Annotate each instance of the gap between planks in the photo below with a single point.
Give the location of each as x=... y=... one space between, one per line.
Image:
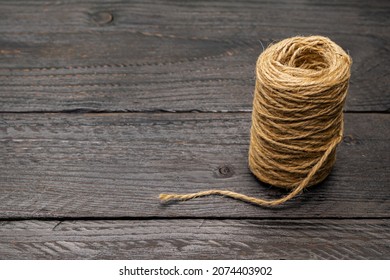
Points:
x=160 y=111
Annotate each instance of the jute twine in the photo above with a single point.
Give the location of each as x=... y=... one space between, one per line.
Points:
x=297 y=117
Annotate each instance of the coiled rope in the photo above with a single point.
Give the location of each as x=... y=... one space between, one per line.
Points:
x=297 y=117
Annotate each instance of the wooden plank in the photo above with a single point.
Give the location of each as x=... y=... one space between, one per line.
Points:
x=196 y=239
x=173 y=56
x=116 y=165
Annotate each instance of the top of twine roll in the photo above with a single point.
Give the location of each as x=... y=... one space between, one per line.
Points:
x=308 y=63
x=297 y=117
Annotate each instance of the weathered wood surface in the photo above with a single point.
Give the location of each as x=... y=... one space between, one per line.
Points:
x=116 y=165
x=196 y=239
x=173 y=56
x=93 y=178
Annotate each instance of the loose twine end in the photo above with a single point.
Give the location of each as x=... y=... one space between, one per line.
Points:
x=297 y=117
x=238 y=196
x=164 y=197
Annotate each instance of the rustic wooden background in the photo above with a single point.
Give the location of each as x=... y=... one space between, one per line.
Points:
x=105 y=104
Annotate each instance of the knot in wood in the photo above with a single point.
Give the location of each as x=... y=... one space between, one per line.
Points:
x=102 y=18
x=225 y=171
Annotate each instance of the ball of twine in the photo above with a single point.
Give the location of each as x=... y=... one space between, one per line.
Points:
x=297 y=117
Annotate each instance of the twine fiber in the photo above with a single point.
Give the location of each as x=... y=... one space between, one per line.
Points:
x=297 y=117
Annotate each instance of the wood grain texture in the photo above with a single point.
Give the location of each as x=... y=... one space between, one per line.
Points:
x=196 y=239
x=77 y=184
x=173 y=56
x=116 y=165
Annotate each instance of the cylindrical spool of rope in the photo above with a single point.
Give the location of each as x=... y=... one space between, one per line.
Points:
x=297 y=117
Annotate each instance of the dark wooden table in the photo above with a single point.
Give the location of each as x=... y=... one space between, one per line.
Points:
x=106 y=104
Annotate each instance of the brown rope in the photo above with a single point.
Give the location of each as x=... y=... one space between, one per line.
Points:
x=297 y=117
